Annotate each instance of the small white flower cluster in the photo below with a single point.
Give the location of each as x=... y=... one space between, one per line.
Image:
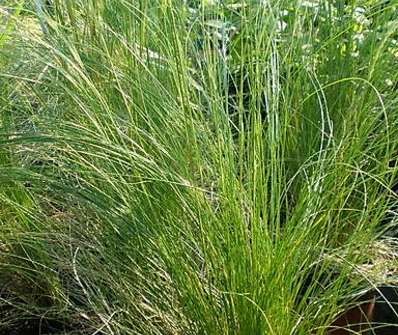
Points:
x=309 y=4
x=389 y=82
x=313 y=21
x=281 y=26
x=361 y=27
x=360 y=17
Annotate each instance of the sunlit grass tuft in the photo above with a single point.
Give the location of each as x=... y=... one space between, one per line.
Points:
x=174 y=168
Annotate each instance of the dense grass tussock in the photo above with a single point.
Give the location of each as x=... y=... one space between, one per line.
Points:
x=195 y=167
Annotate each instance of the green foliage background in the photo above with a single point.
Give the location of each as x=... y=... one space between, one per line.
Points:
x=178 y=167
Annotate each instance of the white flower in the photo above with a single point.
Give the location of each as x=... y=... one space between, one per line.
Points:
x=309 y=4
x=284 y=13
x=281 y=26
x=360 y=17
x=389 y=82
x=359 y=37
x=359 y=11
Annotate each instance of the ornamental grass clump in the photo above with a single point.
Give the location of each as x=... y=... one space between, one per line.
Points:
x=195 y=167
